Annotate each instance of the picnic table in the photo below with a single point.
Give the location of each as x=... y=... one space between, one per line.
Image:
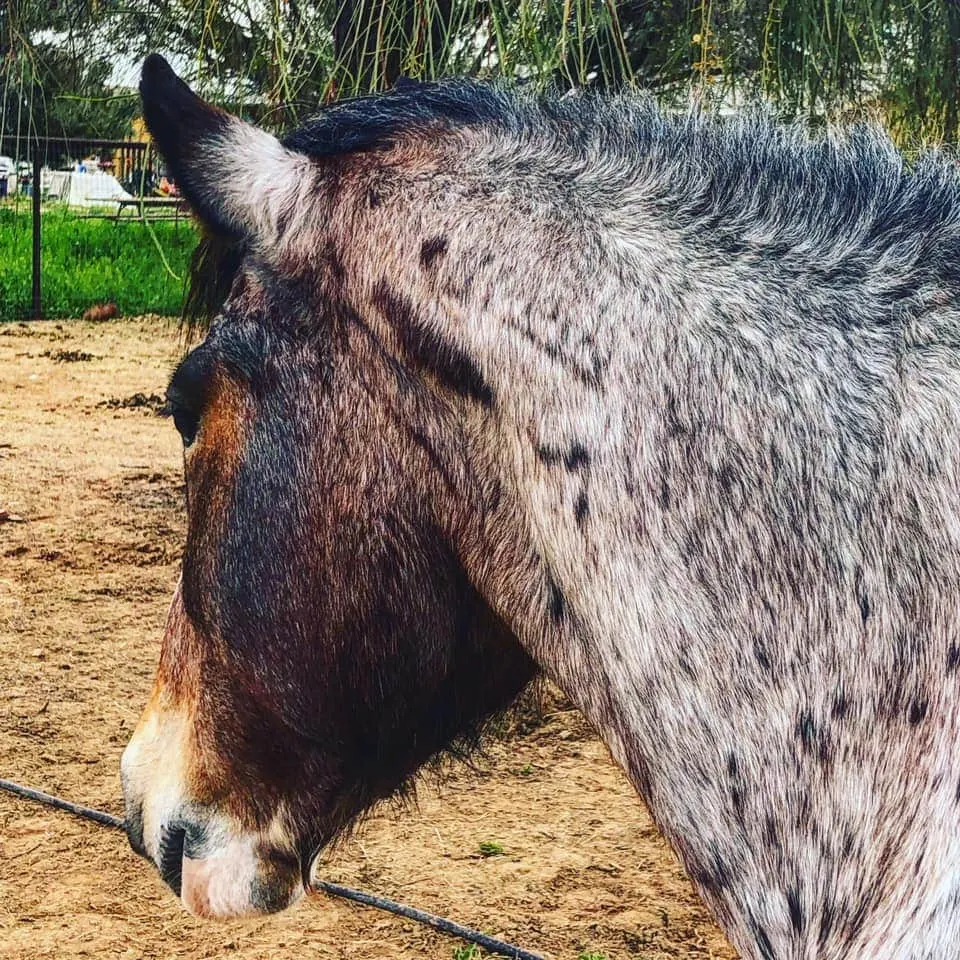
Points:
x=150 y=208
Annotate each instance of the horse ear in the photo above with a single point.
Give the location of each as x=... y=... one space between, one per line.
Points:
x=237 y=178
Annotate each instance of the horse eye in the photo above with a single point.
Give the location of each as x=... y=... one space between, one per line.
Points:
x=187 y=393
x=187 y=423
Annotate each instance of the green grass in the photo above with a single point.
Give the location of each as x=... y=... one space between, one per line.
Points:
x=490 y=848
x=468 y=951
x=89 y=261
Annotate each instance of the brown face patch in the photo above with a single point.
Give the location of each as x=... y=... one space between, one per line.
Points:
x=328 y=636
x=220 y=411
x=210 y=466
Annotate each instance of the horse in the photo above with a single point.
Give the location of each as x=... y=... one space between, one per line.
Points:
x=663 y=407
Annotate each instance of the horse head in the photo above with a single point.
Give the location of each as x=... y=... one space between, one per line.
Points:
x=325 y=640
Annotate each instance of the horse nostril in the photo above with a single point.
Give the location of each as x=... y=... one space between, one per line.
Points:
x=170 y=857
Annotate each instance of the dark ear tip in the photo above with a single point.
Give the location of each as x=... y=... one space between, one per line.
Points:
x=180 y=123
x=155 y=72
x=174 y=113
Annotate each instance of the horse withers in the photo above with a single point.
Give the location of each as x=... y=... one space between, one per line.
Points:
x=663 y=406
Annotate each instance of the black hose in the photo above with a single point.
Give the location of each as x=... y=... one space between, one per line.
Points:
x=88 y=813
x=421 y=916
x=332 y=889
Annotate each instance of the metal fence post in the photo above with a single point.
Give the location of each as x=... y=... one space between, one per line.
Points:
x=37 y=308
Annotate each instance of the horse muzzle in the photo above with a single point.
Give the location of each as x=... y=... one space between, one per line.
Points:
x=215 y=865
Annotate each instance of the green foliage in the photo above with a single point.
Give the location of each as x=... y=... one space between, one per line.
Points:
x=54 y=77
x=590 y=955
x=275 y=62
x=89 y=261
x=815 y=59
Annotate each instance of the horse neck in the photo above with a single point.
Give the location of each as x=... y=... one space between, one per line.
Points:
x=683 y=576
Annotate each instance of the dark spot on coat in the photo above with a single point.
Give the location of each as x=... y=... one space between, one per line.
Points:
x=431 y=249
x=849 y=842
x=429 y=351
x=760 y=652
x=728 y=477
x=953 y=657
x=763 y=942
x=826 y=923
x=557 y=603
x=548 y=455
x=795 y=908
x=493 y=494
x=736 y=786
x=806 y=731
x=672 y=423
x=715 y=876
x=664 y=495
x=813 y=738
x=771 y=834
x=581 y=508
x=576 y=457
x=862 y=598
x=917 y=711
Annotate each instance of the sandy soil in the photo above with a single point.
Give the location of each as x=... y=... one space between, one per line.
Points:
x=91 y=521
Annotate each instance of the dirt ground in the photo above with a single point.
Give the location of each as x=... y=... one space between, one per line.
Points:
x=91 y=523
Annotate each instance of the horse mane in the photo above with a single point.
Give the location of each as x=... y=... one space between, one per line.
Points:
x=723 y=181
x=376 y=121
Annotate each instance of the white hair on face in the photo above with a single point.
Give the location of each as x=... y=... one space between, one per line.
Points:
x=260 y=185
x=167 y=735
x=221 y=884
